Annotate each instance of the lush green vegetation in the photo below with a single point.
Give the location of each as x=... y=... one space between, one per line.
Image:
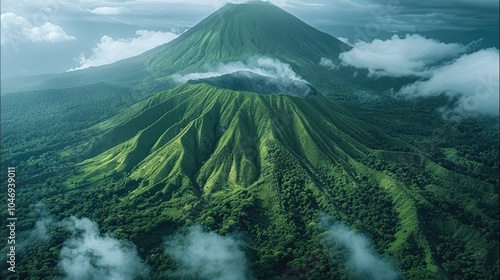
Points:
x=266 y=168
x=201 y=155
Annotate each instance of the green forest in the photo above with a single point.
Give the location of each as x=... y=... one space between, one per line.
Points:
x=406 y=192
x=125 y=172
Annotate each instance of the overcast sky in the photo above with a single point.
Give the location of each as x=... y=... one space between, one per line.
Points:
x=47 y=36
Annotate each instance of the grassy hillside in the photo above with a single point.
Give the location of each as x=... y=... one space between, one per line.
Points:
x=290 y=178
x=237 y=32
x=189 y=150
x=267 y=166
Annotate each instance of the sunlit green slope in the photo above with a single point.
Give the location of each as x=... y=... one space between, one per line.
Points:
x=191 y=146
x=194 y=122
x=243 y=154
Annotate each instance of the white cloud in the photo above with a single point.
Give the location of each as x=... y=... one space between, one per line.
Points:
x=345 y=41
x=106 y=11
x=444 y=68
x=263 y=66
x=302 y=3
x=206 y=255
x=41 y=230
x=48 y=32
x=474 y=78
x=17 y=29
x=362 y=260
x=387 y=15
x=328 y=63
x=109 y=50
x=91 y=256
x=412 y=55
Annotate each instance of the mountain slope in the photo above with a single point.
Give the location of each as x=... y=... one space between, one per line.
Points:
x=237 y=32
x=196 y=143
x=265 y=158
x=209 y=109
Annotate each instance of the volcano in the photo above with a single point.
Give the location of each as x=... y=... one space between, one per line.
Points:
x=236 y=32
x=257 y=149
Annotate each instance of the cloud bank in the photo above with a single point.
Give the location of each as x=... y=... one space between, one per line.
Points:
x=263 y=66
x=17 y=29
x=109 y=50
x=388 y=15
x=88 y=255
x=362 y=260
x=398 y=57
x=106 y=11
x=206 y=255
x=472 y=77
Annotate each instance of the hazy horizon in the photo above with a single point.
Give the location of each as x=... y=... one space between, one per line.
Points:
x=40 y=37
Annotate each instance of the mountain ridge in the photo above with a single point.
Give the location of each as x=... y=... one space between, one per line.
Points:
x=214 y=151
x=197 y=141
